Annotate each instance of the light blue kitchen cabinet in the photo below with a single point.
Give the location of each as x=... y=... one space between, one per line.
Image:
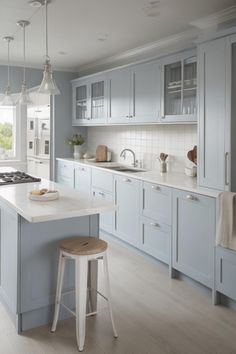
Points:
x=179 y=88
x=82 y=178
x=156 y=202
x=106 y=219
x=102 y=187
x=156 y=239
x=119 y=96
x=102 y=179
x=194 y=218
x=89 y=100
x=65 y=173
x=80 y=102
x=225 y=272
x=127 y=222
x=145 y=93
x=214 y=114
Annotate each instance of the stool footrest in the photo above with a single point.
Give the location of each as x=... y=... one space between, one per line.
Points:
x=73 y=312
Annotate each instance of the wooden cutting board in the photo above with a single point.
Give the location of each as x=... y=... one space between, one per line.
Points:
x=101 y=153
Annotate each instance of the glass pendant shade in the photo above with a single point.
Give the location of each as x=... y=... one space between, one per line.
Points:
x=24 y=98
x=48 y=85
x=7 y=99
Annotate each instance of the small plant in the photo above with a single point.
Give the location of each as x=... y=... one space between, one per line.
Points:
x=75 y=140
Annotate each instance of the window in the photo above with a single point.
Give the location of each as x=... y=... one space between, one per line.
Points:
x=7 y=133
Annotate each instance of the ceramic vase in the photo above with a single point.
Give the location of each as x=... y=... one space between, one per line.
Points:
x=77 y=152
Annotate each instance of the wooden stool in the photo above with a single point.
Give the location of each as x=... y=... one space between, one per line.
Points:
x=82 y=250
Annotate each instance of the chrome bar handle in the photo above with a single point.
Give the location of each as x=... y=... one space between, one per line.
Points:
x=154 y=224
x=191 y=197
x=226 y=168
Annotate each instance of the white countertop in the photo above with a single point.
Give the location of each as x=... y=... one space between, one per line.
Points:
x=170 y=179
x=70 y=204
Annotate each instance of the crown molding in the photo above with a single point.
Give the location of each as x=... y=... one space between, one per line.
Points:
x=215 y=19
x=177 y=42
x=39 y=66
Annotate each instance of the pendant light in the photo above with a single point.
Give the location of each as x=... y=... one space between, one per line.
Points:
x=7 y=99
x=48 y=85
x=24 y=98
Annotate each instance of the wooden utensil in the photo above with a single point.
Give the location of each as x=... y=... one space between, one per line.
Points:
x=101 y=153
x=192 y=155
x=163 y=156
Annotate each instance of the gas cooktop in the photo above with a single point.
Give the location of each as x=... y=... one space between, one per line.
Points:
x=16 y=177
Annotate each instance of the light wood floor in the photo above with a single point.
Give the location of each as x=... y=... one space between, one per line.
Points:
x=154 y=315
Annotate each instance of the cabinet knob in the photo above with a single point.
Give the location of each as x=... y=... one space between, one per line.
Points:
x=127 y=116
x=101 y=193
x=130 y=116
x=191 y=197
x=154 y=224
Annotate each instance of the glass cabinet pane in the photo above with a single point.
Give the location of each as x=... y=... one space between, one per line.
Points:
x=173 y=88
x=190 y=86
x=97 y=100
x=81 y=102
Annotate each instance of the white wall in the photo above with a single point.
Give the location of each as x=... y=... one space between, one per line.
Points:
x=147 y=142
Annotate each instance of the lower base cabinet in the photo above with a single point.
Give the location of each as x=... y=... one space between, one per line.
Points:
x=106 y=219
x=226 y=272
x=127 y=197
x=156 y=239
x=194 y=236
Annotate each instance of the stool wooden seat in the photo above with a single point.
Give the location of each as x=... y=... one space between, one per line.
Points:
x=82 y=250
x=83 y=245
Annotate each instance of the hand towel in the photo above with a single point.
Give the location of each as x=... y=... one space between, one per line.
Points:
x=226 y=228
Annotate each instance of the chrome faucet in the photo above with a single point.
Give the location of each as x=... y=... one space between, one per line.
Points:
x=123 y=154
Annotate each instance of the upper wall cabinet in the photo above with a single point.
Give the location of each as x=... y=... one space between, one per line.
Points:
x=145 y=93
x=214 y=113
x=90 y=100
x=137 y=94
x=179 y=88
x=134 y=94
x=119 y=96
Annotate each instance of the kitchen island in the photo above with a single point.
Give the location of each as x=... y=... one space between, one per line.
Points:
x=30 y=232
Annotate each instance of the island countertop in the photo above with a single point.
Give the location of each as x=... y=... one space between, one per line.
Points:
x=70 y=204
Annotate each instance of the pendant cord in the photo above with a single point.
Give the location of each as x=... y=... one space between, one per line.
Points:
x=46 y=7
x=24 y=79
x=8 y=66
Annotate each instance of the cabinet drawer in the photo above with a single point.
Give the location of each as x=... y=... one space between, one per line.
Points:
x=156 y=202
x=65 y=169
x=226 y=272
x=156 y=239
x=102 y=179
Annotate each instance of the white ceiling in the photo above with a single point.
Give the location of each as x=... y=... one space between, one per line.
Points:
x=76 y=25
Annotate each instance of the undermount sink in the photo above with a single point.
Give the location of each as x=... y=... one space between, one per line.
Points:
x=124 y=169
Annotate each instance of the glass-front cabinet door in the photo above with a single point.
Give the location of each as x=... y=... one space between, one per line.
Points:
x=98 y=89
x=90 y=101
x=81 y=102
x=179 y=101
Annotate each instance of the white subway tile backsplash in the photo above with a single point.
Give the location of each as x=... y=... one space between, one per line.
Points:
x=147 y=143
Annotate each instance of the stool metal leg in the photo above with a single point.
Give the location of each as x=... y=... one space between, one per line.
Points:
x=108 y=293
x=81 y=277
x=60 y=276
